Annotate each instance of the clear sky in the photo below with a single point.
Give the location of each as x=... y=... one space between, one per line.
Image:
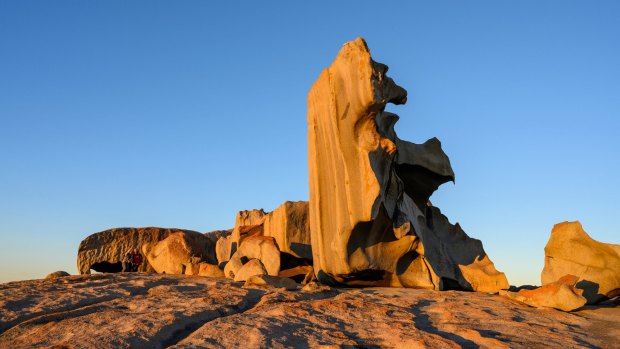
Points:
x=179 y=114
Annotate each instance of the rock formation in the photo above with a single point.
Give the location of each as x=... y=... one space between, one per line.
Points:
x=263 y=248
x=57 y=274
x=288 y=225
x=103 y=251
x=172 y=254
x=252 y=268
x=246 y=223
x=571 y=250
x=143 y=310
x=370 y=217
x=560 y=294
x=214 y=237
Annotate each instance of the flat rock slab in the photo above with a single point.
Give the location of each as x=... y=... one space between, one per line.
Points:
x=141 y=310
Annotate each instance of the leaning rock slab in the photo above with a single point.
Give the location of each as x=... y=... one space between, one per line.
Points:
x=104 y=251
x=371 y=221
x=571 y=250
x=560 y=294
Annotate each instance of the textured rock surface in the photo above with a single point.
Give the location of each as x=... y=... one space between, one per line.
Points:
x=57 y=274
x=571 y=250
x=370 y=218
x=561 y=295
x=173 y=254
x=104 y=251
x=179 y=311
x=289 y=225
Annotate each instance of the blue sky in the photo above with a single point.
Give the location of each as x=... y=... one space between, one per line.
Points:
x=179 y=114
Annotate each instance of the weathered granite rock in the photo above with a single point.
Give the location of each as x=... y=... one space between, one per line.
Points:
x=210 y=270
x=271 y=281
x=370 y=217
x=289 y=225
x=298 y=274
x=57 y=274
x=571 y=250
x=146 y=310
x=173 y=254
x=103 y=251
x=251 y=268
x=263 y=248
x=224 y=249
x=246 y=224
x=560 y=294
x=233 y=265
x=214 y=237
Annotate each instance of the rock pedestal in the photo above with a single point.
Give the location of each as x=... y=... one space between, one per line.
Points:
x=370 y=217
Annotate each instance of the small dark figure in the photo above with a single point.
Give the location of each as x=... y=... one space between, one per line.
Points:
x=136 y=260
x=127 y=262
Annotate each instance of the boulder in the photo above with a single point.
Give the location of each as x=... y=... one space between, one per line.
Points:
x=571 y=250
x=57 y=274
x=224 y=249
x=173 y=254
x=233 y=265
x=251 y=268
x=289 y=225
x=263 y=248
x=210 y=270
x=272 y=281
x=213 y=237
x=560 y=294
x=370 y=217
x=103 y=251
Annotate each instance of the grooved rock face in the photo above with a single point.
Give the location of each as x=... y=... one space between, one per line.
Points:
x=288 y=225
x=370 y=217
x=104 y=251
x=174 y=253
x=571 y=250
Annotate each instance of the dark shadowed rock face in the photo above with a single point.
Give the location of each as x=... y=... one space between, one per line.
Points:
x=104 y=251
x=139 y=310
x=371 y=221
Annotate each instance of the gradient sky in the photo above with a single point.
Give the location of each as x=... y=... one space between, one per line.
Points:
x=179 y=114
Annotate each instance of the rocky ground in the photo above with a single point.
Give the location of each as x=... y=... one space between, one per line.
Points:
x=154 y=311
